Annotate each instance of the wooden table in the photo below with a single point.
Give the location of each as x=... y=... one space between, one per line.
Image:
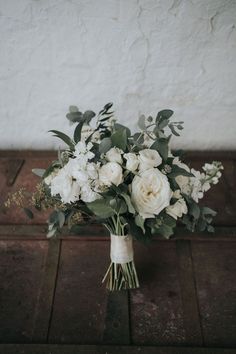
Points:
x=52 y=300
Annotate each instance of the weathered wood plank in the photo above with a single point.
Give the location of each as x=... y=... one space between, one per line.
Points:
x=117 y=329
x=80 y=300
x=192 y=325
x=21 y=277
x=104 y=349
x=215 y=269
x=156 y=308
x=44 y=305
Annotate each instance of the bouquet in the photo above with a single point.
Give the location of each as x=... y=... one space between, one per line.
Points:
x=133 y=184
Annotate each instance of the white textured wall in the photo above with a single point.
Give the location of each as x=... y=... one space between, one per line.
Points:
x=143 y=55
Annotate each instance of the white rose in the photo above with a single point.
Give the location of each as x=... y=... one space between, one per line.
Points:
x=149 y=158
x=132 y=161
x=150 y=193
x=114 y=155
x=178 y=209
x=110 y=173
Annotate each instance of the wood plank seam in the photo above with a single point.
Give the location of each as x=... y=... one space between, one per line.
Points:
x=191 y=316
x=54 y=289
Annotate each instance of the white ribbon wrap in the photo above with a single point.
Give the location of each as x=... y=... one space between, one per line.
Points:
x=121 y=249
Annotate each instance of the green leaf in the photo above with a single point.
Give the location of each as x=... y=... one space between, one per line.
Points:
x=139 y=221
x=165 y=230
x=161 y=145
x=87 y=116
x=128 y=202
x=61 y=218
x=38 y=171
x=178 y=171
x=29 y=213
x=141 y=122
x=63 y=137
x=194 y=210
x=105 y=145
x=119 y=139
x=73 y=109
x=172 y=128
x=118 y=126
x=75 y=116
x=77 y=132
x=208 y=211
x=210 y=228
x=163 y=124
x=101 y=208
x=165 y=113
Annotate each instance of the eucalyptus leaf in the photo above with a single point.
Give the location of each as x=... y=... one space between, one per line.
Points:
x=29 y=213
x=139 y=221
x=119 y=139
x=105 y=145
x=101 y=208
x=179 y=171
x=141 y=122
x=128 y=202
x=38 y=171
x=88 y=116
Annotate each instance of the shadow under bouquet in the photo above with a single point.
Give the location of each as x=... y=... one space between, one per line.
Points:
x=131 y=183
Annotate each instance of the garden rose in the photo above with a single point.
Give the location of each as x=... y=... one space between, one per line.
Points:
x=178 y=209
x=150 y=193
x=149 y=158
x=132 y=161
x=114 y=155
x=110 y=173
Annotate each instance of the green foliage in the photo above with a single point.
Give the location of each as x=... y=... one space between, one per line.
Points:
x=119 y=139
x=63 y=137
x=105 y=145
x=101 y=208
x=77 y=132
x=178 y=171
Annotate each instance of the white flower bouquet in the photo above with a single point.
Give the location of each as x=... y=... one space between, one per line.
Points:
x=131 y=183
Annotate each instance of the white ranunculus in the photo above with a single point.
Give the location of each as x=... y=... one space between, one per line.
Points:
x=150 y=193
x=178 y=209
x=110 y=173
x=149 y=158
x=64 y=185
x=114 y=155
x=132 y=161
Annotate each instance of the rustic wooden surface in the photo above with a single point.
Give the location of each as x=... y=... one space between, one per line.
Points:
x=50 y=291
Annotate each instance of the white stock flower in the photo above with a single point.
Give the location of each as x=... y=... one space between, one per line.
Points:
x=87 y=131
x=178 y=209
x=149 y=158
x=110 y=173
x=81 y=148
x=50 y=177
x=114 y=155
x=132 y=161
x=150 y=193
x=183 y=181
x=64 y=185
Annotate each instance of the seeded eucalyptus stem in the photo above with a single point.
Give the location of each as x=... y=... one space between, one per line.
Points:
x=120 y=275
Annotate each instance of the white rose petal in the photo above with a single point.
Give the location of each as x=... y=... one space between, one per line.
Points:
x=114 y=155
x=149 y=158
x=150 y=193
x=132 y=161
x=110 y=173
x=178 y=209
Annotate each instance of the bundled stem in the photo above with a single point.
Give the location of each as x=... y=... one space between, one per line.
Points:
x=121 y=276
